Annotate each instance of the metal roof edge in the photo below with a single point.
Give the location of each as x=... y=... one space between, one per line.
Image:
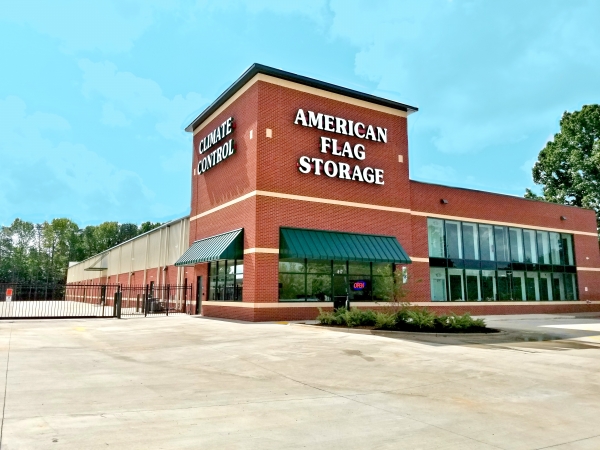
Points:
x=256 y=68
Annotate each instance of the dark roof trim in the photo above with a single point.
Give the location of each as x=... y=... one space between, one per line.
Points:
x=255 y=69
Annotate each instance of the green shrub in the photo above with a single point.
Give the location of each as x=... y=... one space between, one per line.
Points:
x=385 y=320
x=464 y=322
x=328 y=318
x=421 y=318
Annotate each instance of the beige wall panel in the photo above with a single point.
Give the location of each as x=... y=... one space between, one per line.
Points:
x=174 y=245
x=126 y=255
x=139 y=253
x=113 y=262
x=154 y=249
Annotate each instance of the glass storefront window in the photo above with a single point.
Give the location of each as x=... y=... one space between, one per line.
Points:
x=453 y=240
x=502 y=248
x=292 y=266
x=437 y=276
x=570 y=286
x=456 y=287
x=529 y=243
x=435 y=232
x=556 y=249
x=518 y=286
x=545 y=286
x=558 y=286
x=226 y=280
x=316 y=280
x=516 y=245
x=532 y=286
x=567 y=245
x=473 y=285
x=543 y=245
x=486 y=240
x=318 y=287
x=383 y=288
x=471 y=240
x=504 y=290
x=488 y=285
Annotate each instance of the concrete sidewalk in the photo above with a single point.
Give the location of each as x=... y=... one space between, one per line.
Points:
x=188 y=383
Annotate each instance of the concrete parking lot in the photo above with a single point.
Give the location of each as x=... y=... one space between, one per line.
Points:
x=194 y=383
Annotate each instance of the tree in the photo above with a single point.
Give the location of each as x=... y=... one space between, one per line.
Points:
x=568 y=167
x=147 y=226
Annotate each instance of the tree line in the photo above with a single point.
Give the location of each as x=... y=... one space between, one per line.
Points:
x=41 y=252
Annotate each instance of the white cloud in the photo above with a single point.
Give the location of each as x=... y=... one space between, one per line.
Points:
x=107 y=26
x=483 y=74
x=46 y=176
x=126 y=96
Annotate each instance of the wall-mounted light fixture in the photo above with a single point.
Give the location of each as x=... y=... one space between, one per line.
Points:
x=443 y=201
x=563 y=217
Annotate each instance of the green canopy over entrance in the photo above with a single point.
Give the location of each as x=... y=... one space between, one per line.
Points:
x=228 y=245
x=321 y=244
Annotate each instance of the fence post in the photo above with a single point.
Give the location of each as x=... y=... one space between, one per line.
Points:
x=146 y=302
x=119 y=302
x=185 y=296
x=168 y=297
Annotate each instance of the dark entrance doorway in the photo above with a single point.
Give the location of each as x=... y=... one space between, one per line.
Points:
x=340 y=291
x=199 y=295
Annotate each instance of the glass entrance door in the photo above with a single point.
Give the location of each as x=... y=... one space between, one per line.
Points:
x=340 y=290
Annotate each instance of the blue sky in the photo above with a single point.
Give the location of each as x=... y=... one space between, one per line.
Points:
x=94 y=95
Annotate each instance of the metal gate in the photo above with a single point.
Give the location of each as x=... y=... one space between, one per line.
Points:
x=43 y=301
x=152 y=300
x=31 y=301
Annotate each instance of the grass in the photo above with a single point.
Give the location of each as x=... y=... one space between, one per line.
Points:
x=405 y=319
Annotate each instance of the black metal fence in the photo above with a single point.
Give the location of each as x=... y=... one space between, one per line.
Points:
x=156 y=300
x=35 y=301
x=29 y=301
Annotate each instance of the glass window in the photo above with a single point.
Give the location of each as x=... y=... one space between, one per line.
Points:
x=382 y=287
x=516 y=245
x=318 y=266
x=543 y=245
x=318 y=287
x=382 y=269
x=359 y=268
x=239 y=280
x=471 y=240
x=340 y=267
x=229 y=293
x=291 y=287
x=556 y=249
x=529 y=243
x=488 y=285
x=504 y=291
x=453 y=240
x=292 y=265
x=360 y=287
x=558 y=285
x=532 y=286
x=473 y=285
x=486 y=239
x=437 y=276
x=567 y=246
x=456 y=287
x=545 y=286
x=518 y=286
x=502 y=249
x=435 y=232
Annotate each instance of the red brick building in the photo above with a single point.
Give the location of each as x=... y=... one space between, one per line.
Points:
x=301 y=198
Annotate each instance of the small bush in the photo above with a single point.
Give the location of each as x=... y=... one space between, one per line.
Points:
x=421 y=318
x=464 y=322
x=328 y=318
x=385 y=321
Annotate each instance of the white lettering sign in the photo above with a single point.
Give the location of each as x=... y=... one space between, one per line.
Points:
x=344 y=149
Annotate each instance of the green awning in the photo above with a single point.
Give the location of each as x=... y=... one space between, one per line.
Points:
x=320 y=244
x=228 y=245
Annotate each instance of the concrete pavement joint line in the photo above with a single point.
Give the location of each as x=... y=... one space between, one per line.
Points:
x=568 y=442
x=5 y=385
x=369 y=405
